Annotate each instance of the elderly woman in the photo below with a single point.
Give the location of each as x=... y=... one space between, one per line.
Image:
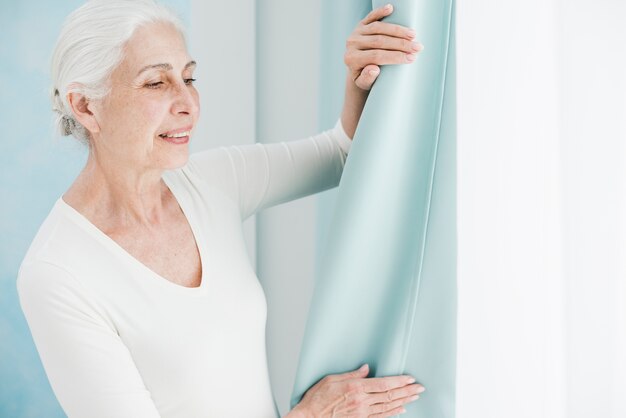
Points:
x=137 y=288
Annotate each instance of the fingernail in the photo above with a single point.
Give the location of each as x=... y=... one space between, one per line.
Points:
x=410 y=57
x=363 y=367
x=411 y=33
x=388 y=6
x=411 y=380
x=420 y=390
x=402 y=411
x=373 y=72
x=414 y=398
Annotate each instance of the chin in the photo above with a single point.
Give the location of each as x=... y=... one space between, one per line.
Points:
x=176 y=161
x=173 y=159
x=173 y=156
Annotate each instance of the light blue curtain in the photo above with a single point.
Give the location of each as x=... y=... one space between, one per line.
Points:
x=385 y=290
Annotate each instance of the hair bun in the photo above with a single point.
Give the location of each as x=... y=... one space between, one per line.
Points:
x=63 y=121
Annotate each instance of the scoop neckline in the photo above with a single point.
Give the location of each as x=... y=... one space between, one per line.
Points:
x=114 y=246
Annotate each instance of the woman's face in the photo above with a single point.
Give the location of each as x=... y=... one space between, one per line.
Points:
x=152 y=99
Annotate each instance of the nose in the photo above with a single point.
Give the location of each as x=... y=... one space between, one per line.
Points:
x=186 y=100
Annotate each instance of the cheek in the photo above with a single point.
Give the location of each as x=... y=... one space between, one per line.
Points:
x=122 y=118
x=153 y=117
x=135 y=117
x=196 y=99
x=145 y=119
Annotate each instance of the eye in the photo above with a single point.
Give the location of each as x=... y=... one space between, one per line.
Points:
x=154 y=85
x=189 y=81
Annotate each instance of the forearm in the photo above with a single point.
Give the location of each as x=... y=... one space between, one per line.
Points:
x=353 y=104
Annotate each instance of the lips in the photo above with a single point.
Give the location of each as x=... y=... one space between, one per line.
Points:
x=177 y=133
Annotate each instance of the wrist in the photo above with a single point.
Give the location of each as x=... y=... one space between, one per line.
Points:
x=297 y=412
x=353 y=104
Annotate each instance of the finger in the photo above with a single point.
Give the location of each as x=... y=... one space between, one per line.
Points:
x=377 y=14
x=383 y=384
x=394 y=394
x=384 y=28
x=367 y=77
x=387 y=407
x=396 y=411
x=359 y=59
x=389 y=43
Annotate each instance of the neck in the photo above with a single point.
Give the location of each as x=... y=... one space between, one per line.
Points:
x=120 y=195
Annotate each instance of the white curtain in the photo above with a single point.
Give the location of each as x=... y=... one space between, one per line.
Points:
x=541 y=183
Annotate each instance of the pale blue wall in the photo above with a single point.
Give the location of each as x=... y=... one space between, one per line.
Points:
x=37 y=167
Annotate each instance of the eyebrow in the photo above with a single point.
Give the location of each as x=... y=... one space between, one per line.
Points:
x=164 y=66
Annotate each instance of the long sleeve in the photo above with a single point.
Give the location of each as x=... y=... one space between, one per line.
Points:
x=89 y=368
x=257 y=176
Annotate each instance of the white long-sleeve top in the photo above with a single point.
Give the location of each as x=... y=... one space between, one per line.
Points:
x=117 y=340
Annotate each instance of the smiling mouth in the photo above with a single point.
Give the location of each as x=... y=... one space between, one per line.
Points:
x=178 y=135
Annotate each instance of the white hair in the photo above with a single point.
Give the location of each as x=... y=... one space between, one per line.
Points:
x=90 y=46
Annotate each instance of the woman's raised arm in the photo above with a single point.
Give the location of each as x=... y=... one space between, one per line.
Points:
x=257 y=176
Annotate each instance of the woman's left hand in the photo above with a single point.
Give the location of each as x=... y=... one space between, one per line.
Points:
x=374 y=43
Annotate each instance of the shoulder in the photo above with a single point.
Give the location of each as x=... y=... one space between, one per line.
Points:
x=209 y=174
x=215 y=166
x=51 y=293
x=42 y=278
x=46 y=268
x=59 y=246
x=57 y=238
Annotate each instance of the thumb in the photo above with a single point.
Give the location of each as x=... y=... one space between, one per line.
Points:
x=368 y=76
x=362 y=371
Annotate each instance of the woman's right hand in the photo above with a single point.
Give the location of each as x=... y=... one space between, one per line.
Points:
x=355 y=395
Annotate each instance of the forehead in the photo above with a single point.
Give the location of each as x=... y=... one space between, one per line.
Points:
x=154 y=43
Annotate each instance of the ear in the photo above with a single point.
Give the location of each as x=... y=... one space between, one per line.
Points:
x=82 y=109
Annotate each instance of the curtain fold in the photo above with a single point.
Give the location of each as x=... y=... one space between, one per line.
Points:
x=385 y=290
